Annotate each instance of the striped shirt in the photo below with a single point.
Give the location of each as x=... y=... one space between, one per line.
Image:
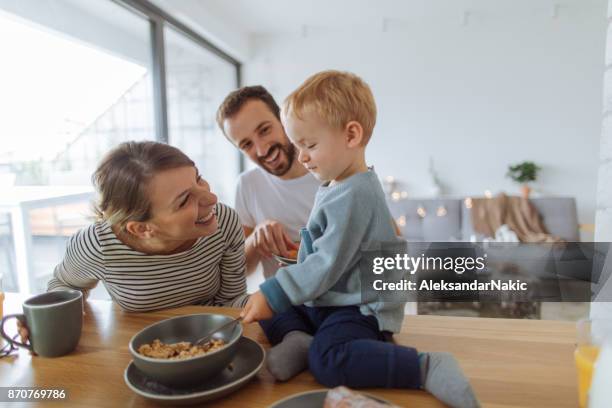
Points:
x=211 y=272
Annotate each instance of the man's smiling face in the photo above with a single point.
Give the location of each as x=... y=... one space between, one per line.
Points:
x=260 y=135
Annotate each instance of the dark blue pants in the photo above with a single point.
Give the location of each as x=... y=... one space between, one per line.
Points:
x=348 y=348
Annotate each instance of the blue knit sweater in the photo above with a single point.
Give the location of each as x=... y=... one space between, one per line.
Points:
x=347 y=217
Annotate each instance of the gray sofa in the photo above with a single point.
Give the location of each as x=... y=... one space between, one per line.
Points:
x=448 y=219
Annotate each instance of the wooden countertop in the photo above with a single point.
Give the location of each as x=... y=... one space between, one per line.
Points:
x=511 y=363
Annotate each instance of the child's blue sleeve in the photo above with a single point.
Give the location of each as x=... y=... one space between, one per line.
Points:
x=275 y=295
x=345 y=222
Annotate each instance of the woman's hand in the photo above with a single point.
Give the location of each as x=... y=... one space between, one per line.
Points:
x=23 y=332
x=256 y=309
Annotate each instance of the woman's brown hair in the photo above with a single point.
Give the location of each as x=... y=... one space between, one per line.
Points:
x=123 y=175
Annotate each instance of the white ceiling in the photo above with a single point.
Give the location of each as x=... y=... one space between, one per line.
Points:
x=282 y=16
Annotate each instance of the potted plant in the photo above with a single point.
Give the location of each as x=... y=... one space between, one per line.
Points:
x=524 y=173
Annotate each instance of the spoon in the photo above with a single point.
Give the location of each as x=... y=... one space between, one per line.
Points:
x=217 y=330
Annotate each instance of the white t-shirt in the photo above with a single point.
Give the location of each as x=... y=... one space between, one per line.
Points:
x=261 y=196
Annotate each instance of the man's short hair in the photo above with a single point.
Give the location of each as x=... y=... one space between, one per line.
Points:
x=337 y=98
x=238 y=98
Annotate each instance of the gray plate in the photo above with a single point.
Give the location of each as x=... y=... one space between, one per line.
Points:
x=284 y=261
x=312 y=399
x=248 y=360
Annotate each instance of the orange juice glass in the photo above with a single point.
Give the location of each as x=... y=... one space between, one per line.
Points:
x=590 y=336
x=585 y=356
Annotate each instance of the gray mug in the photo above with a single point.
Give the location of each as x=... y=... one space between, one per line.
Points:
x=54 y=320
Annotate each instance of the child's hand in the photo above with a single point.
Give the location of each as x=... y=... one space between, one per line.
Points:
x=256 y=309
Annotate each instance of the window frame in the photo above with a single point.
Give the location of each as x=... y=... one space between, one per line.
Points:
x=158 y=18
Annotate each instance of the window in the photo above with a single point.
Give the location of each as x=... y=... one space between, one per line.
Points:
x=76 y=79
x=197 y=82
x=79 y=77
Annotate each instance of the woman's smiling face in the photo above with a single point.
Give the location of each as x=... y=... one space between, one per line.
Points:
x=182 y=205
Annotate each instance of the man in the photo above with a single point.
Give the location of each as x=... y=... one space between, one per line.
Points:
x=274 y=199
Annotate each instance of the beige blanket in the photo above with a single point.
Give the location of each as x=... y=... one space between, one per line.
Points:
x=488 y=214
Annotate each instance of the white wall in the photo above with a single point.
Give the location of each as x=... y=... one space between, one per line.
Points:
x=603 y=231
x=198 y=15
x=475 y=98
x=604 y=191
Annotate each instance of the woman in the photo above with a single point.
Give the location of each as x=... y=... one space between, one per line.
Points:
x=161 y=239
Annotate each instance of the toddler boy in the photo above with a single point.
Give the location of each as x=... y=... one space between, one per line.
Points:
x=330 y=119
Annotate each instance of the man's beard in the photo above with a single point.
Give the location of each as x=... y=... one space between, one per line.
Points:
x=288 y=150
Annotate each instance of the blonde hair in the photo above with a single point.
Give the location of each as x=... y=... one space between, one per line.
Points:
x=123 y=176
x=337 y=98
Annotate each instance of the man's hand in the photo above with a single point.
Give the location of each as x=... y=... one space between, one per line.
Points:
x=269 y=238
x=256 y=309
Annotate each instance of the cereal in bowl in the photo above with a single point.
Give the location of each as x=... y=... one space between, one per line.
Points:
x=179 y=351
